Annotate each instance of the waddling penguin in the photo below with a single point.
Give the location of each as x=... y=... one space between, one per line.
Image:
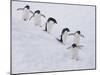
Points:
x=64 y=35
x=75 y=51
x=77 y=36
x=37 y=17
x=26 y=12
x=49 y=24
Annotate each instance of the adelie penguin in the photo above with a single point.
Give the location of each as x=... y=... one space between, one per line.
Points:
x=64 y=35
x=76 y=37
x=74 y=51
x=26 y=12
x=37 y=17
x=49 y=24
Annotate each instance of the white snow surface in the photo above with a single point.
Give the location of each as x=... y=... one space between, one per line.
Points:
x=34 y=50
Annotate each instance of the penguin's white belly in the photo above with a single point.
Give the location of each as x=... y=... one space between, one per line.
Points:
x=25 y=14
x=75 y=53
x=37 y=19
x=77 y=39
x=49 y=27
x=65 y=35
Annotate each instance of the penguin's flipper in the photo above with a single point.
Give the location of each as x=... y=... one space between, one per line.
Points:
x=30 y=18
x=20 y=9
x=71 y=34
x=69 y=47
x=80 y=46
x=31 y=12
x=43 y=15
x=82 y=35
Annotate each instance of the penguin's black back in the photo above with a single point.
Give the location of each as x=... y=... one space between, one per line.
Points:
x=52 y=19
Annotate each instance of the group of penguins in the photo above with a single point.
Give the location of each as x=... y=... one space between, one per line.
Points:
x=48 y=27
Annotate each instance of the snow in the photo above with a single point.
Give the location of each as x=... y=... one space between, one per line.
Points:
x=34 y=50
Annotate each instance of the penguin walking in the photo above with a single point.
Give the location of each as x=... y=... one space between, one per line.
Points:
x=75 y=51
x=37 y=17
x=26 y=12
x=77 y=36
x=64 y=35
x=49 y=24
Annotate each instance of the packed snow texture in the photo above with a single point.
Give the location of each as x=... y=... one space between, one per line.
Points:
x=34 y=50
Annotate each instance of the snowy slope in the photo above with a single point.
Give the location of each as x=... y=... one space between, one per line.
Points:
x=34 y=50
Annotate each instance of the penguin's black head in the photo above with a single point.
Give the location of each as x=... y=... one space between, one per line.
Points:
x=37 y=11
x=52 y=19
x=74 y=45
x=78 y=32
x=27 y=6
x=67 y=29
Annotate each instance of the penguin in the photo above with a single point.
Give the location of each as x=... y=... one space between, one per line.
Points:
x=77 y=36
x=37 y=17
x=74 y=51
x=49 y=24
x=26 y=12
x=64 y=35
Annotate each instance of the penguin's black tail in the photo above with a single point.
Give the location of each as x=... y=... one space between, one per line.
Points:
x=60 y=40
x=45 y=30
